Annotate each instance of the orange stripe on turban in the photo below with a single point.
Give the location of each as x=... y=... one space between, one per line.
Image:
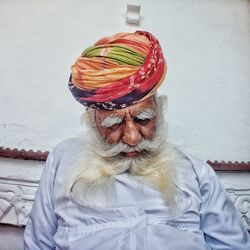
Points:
x=118 y=71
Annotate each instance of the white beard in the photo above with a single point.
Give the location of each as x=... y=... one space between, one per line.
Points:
x=94 y=184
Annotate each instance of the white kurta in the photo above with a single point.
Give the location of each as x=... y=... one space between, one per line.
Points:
x=205 y=218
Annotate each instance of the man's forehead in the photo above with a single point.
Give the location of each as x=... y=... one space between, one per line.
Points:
x=132 y=110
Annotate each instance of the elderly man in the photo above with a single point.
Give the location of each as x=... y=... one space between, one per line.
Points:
x=123 y=186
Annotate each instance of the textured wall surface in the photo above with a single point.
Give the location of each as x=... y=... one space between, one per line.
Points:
x=207 y=49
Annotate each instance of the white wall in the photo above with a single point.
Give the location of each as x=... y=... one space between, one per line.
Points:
x=207 y=49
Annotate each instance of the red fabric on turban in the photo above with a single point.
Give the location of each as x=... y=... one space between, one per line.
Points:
x=118 y=71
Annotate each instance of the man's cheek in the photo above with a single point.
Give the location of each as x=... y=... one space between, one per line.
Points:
x=148 y=131
x=113 y=136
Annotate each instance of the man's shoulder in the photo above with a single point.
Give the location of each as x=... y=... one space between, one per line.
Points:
x=195 y=162
x=67 y=151
x=65 y=156
x=201 y=167
x=191 y=167
x=70 y=145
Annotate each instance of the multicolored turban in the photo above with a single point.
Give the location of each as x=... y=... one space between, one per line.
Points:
x=118 y=71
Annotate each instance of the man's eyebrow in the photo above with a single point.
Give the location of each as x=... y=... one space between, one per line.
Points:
x=146 y=114
x=110 y=121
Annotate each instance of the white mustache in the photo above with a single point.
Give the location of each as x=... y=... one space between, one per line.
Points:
x=111 y=150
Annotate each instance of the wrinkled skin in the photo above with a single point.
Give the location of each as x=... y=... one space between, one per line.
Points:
x=131 y=130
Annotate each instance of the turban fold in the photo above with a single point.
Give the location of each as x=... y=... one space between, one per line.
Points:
x=118 y=71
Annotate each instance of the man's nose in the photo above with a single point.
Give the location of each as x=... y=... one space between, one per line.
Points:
x=131 y=133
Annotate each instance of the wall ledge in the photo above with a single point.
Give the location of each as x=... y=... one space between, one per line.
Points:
x=23 y=154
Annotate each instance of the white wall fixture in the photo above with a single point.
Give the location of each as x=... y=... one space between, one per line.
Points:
x=133 y=12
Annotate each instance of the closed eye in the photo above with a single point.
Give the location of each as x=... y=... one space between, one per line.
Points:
x=141 y=121
x=114 y=126
x=145 y=116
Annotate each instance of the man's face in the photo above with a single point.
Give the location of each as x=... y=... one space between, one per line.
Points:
x=129 y=125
